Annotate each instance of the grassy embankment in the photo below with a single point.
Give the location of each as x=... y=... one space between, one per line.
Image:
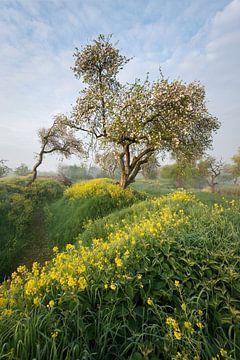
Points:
x=157 y=280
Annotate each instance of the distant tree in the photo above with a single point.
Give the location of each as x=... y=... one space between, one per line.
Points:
x=4 y=169
x=74 y=172
x=59 y=139
x=108 y=161
x=150 y=169
x=22 y=170
x=211 y=168
x=235 y=167
x=183 y=175
x=141 y=119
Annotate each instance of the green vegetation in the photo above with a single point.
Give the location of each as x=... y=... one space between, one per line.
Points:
x=21 y=211
x=83 y=202
x=154 y=279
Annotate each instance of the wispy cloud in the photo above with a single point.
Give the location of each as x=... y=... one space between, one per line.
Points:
x=189 y=39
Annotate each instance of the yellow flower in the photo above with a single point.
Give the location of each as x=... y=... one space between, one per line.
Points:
x=118 y=262
x=171 y=322
x=200 y=325
x=177 y=334
x=82 y=282
x=55 y=334
x=223 y=352
x=149 y=301
x=36 y=301
x=177 y=283
x=7 y=312
x=187 y=324
x=55 y=249
x=30 y=287
x=3 y=301
x=113 y=286
x=21 y=269
x=200 y=312
x=50 y=304
x=70 y=247
x=71 y=281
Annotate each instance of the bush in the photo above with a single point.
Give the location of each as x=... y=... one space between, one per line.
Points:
x=162 y=283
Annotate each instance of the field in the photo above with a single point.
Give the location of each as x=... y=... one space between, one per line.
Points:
x=145 y=273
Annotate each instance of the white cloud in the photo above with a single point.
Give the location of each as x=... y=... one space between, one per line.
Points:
x=37 y=38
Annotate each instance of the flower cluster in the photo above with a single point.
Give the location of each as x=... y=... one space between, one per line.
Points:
x=98 y=187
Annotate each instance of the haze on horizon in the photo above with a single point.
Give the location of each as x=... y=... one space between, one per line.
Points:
x=190 y=40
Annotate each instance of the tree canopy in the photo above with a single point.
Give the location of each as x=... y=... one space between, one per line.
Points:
x=141 y=118
x=22 y=170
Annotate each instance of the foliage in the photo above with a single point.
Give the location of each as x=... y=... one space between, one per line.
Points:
x=18 y=205
x=160 y=280
x=98 y=187
x=211 y=168
x=235 y=168
x=4 y=169
x=22 y=170
x=74 y=172
x=183 y=175
x=141 y=118
x=84 y=202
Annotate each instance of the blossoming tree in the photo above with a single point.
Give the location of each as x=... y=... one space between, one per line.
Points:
x=58 y=139
x=139 y=119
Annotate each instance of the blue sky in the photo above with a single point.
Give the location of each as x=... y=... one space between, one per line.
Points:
x=190 y=39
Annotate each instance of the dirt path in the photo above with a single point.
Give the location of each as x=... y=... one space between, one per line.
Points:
x=38 y=247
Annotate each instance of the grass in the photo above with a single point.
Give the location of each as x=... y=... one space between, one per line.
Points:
x=158 y=279
x=20 y=209
x=83 y=203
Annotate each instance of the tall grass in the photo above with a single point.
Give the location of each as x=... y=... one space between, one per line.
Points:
x=84 y=202
x=160 y=280
x=18 y=207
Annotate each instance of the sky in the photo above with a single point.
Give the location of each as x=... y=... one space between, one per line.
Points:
x=189 y=39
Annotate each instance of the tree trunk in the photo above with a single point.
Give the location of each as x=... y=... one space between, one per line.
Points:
x=34 y=172
x=130 y=169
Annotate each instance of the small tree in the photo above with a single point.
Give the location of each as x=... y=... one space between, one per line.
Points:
x=74 y=172
x=4 y=169
x=57 y=139
x=141 y=119
x=211 y=168
x=22 y=170
x=235 y=167
x=150 y=169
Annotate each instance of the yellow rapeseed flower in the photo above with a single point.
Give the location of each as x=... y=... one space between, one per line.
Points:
x=113 y=286
x=51 y=304
x=177 y=283
x=223 y=352
x=150 y=301
x=36 y=301
x=55 y=334
x=177 y=334
x=118 y=262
